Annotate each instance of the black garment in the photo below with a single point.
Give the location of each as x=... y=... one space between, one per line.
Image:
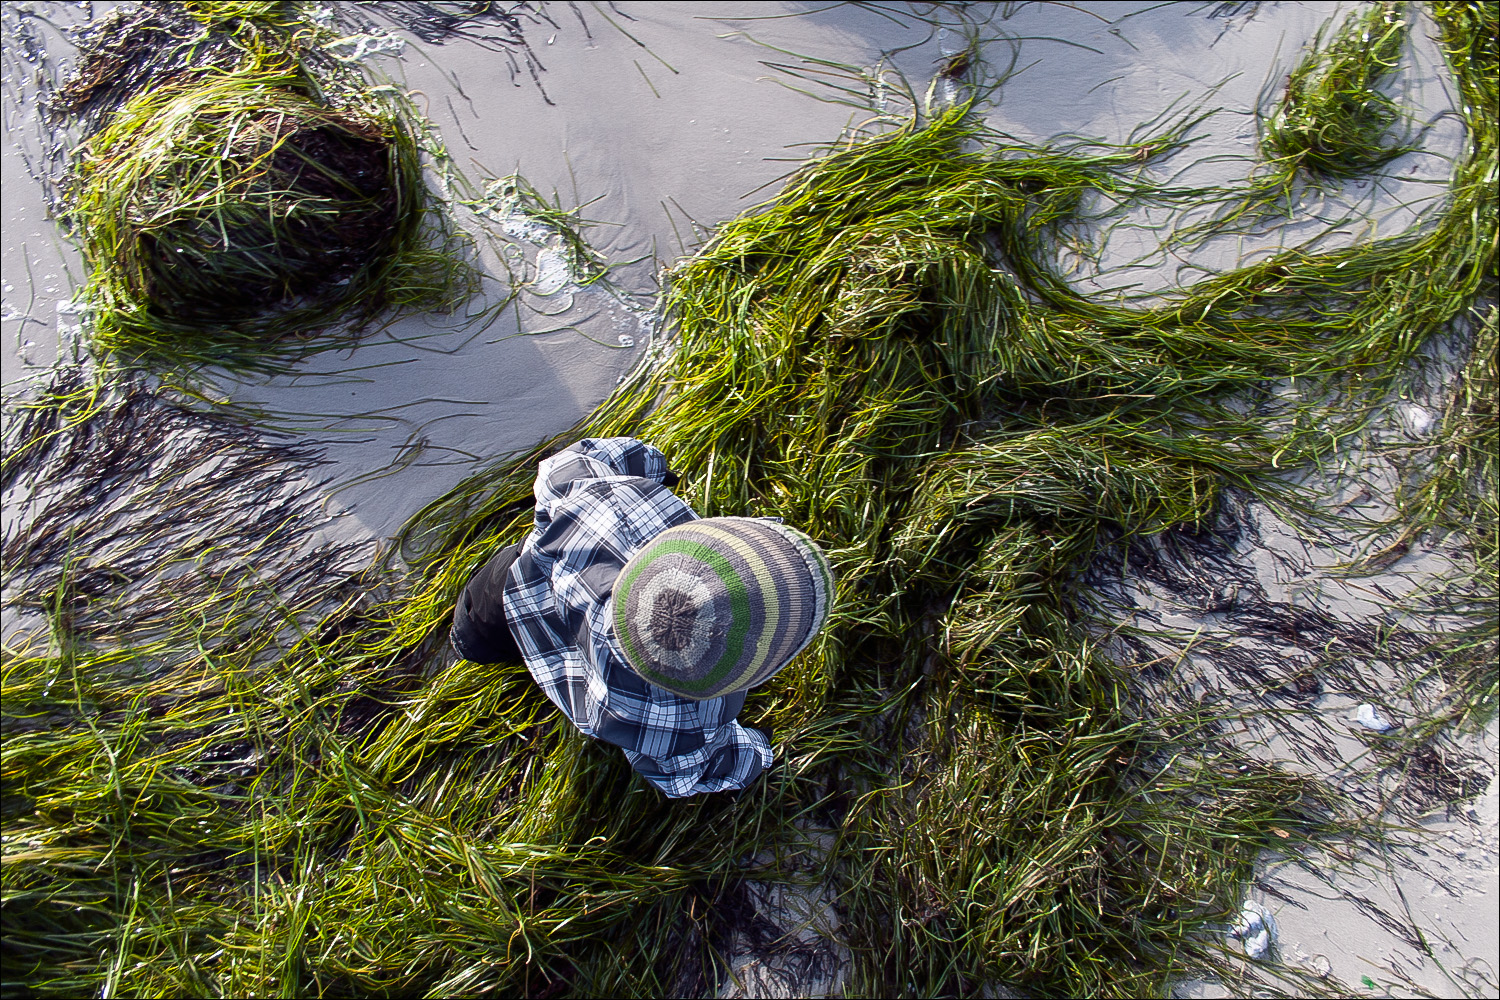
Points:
x=480 y=632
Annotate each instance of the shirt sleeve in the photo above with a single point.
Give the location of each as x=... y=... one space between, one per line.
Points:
x=731 y=760
x=682 y=746
x=597 y=458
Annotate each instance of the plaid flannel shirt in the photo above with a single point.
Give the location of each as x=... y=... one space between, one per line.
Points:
x=597 y=504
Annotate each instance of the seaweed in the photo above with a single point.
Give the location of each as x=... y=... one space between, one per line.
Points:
x=1332 y=121
x=240 y=202
x=314 y=797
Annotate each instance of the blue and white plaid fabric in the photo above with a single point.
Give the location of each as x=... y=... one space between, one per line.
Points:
x=597 y=503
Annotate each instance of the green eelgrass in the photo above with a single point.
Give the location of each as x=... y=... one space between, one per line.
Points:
x=1329 y=123
x=1332 y=121
x=233 y=214
x=325 y=804
x=1449 y=491
x=280 y=13
x=511 y=200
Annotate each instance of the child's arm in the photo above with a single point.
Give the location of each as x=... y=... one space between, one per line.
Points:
x=730 y=761
x=626 y=456
x=599 y=458
x=682 y=747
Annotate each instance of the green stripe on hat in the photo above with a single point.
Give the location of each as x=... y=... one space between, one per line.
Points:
x=719 y=604
x=765 y=640
x=738 y=600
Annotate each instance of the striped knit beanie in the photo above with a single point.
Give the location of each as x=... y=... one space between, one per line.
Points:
x=720 y=604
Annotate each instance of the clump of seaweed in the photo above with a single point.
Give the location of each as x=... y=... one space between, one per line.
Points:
x=230 y=213
x=131 y=50
x=1332 y=120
